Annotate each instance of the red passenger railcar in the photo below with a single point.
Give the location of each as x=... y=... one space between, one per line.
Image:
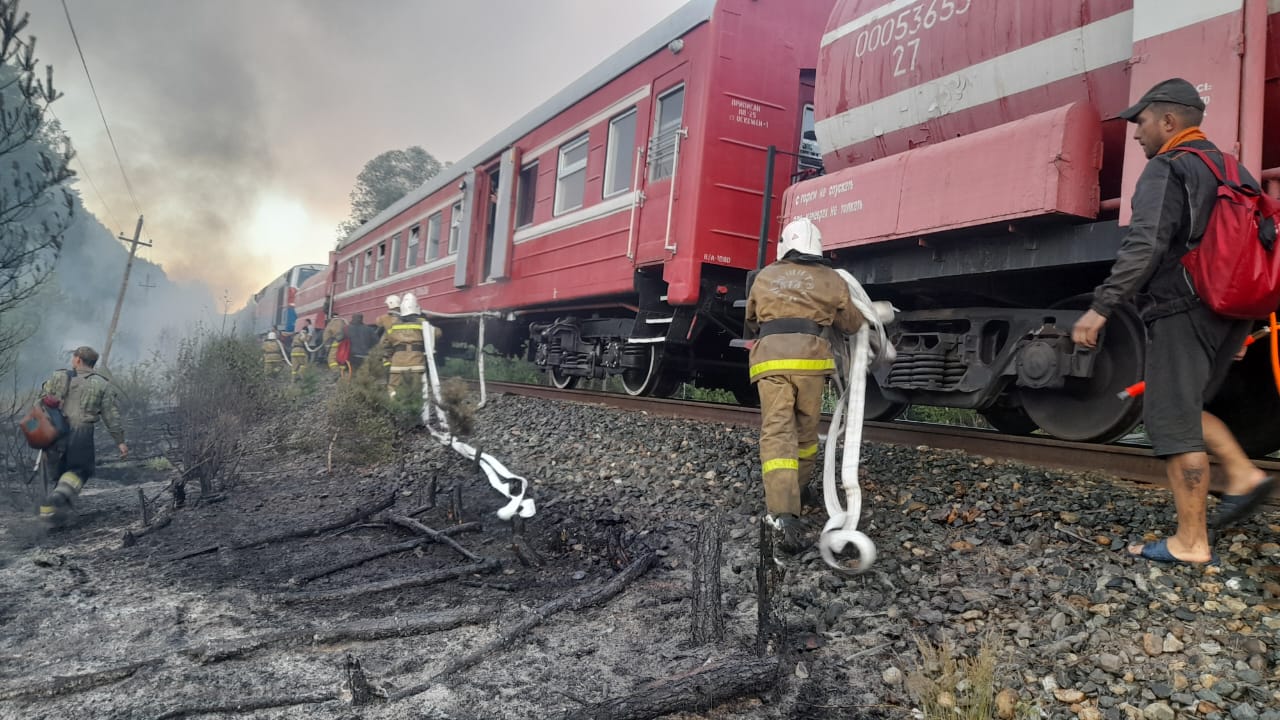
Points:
x=610 y=229
x=979 y=179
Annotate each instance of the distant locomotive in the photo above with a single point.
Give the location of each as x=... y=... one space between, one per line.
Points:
x=274 y=305
x=973 y=179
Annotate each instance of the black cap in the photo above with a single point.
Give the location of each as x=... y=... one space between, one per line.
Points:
x=1176 y=91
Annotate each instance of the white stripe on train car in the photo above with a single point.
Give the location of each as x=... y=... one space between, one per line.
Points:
x=605 y=114
x=1072 y=53
x=1157 y=17
x=864 y=20
x=577 y=217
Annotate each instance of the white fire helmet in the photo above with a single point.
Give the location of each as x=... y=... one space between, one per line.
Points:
x=393 y=302
x=409 y=304
x=800 y=235
x=271 y=335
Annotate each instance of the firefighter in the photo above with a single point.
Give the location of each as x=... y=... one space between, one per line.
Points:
x=272 y=354
x=789 y=306
x=85 y=397
x=390 y=317
x=335 y=332
x=404 y=346
x=298 y=353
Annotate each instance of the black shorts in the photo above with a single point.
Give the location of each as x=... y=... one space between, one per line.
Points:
x=1189 y=355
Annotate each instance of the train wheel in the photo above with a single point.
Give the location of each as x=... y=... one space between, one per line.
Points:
x=560 y=379
x=646 y=376
x=1087 y=409
x=1010 y=420
x=1249 y=404
x=879 y=407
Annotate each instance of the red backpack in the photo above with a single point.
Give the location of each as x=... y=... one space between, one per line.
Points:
x=1236 y=267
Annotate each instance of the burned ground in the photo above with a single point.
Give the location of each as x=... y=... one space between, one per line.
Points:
x=969 y=550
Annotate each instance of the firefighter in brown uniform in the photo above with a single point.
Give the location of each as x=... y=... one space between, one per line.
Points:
x=335 y=331
x=85 y=397
x=389 y=318
x=272 y=354
x=298 y=353
x=404 y=346
x=789 y=305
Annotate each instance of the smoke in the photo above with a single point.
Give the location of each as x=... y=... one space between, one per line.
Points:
x=243 y=124
x=76 y=304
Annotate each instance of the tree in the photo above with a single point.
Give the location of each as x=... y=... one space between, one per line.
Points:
x=384 y=180
x=35 y=205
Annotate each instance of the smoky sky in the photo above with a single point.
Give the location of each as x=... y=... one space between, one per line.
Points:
x=242 y=124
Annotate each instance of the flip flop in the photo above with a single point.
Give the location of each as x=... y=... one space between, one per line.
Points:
x=1158 y=551
x=1235 y=508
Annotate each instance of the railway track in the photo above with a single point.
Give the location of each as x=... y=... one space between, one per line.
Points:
x=1130 y=462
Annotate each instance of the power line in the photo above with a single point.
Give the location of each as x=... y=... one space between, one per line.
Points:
x=94 y=90
x=84 y=170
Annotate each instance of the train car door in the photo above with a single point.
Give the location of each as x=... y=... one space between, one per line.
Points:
x=655 y=231
x=499 y=207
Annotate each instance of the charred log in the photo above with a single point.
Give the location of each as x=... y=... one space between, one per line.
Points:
x=574 y=601
x=694 y=692
x=708 y=610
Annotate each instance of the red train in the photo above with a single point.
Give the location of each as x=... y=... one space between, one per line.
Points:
x=972 y=178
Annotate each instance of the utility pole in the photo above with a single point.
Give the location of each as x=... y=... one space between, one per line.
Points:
x=115 y=317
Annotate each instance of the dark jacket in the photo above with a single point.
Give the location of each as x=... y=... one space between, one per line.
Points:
x=363 y=337
x=1171 y=206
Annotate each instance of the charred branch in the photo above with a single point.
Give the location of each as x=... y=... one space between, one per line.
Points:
x=574 y=601
x=695 y=692
x=379 y=629
x=349 y=519
x=401 y=583
x=419 y=528
x=389 y=550
x=67 y=684
x=244 y=706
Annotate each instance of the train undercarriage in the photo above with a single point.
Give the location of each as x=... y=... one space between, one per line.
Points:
x=995 y=338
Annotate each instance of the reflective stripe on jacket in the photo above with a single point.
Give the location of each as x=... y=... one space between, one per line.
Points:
x=808 y=289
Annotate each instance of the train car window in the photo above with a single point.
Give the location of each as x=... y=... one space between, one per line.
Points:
x=571 y=175
x=620 y=161
x=367 y=277
x=395 y=254
x=411 y=250
x=351 y=274
x=666 y=125
x=810 y=162
x=526 y=194
x=433 y=236
x=455 y=227
x=381 y=268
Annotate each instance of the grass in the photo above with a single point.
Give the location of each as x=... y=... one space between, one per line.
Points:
x=951 y=686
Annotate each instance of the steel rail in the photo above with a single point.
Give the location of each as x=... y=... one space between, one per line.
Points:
x=1129 y=462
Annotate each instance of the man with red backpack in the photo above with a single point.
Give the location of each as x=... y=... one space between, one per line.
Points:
x=1190 y=346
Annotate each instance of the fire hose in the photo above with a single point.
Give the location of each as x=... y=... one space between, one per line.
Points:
x=1272 y=329
x=499 y=477
x=479 y=344
x=855 y=355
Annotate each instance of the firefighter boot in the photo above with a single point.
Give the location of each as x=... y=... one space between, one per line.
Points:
x=56 y=510
x=788 y=534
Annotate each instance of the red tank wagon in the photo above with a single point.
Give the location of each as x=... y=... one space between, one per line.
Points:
x=977 y=180
x=611 y=228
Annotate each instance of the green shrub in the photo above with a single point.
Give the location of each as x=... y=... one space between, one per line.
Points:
x=365 y=422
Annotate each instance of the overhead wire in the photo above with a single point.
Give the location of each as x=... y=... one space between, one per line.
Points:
x=101 y=113
x=84 y=170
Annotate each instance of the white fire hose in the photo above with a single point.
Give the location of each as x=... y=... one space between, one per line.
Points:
x=855 y=355
x=283 y=354
x=500 y=478
x=479 y=344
